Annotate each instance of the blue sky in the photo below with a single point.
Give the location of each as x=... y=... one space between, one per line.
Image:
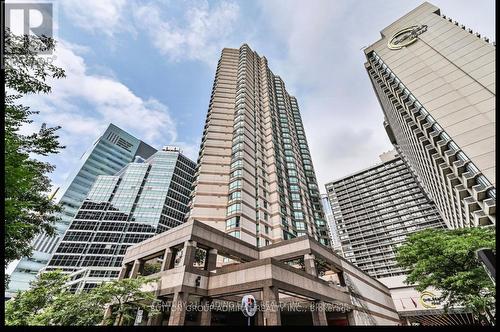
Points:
x=148 y=66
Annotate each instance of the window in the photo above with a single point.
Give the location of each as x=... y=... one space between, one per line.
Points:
x=237 y=147
x=233 y=222
x=237 y=155
x=235 y=184
x=236 y=234
x=300 y=226
x=235 y=195
x=233 y=208
x=236 y=164
x=236 y=173
x=298 y=215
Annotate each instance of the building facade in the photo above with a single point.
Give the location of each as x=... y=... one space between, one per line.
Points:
x=114 y=149
x=255 y=179
x=191 y=289
x=143 y=199
x=435 y=81
x=332 y=227
x=375 y=210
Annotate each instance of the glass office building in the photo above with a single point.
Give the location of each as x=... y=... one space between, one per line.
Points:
x=114 y=149
x=143 y=199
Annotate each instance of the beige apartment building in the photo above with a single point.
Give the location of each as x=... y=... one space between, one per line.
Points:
x=255 y=179
x=435 y=81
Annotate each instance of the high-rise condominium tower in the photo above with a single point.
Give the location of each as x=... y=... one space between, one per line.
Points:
x=109 y=153
x=141 y=200
x=375 y=209
x=255 y=179
x=435 y=81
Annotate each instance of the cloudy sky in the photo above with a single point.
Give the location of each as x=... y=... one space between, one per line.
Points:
x=148 y=67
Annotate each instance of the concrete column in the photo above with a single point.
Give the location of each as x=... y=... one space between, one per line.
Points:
x=189 y=251
x=168 y=260
x=310 y=265
x=123 y=272
x=211 y=263
x=351 y=319
x=206 y=314
x=271 y=314
x=340 y=275
x=259 y=318
x=319 y=314
x=155 y=320
x=178 y=309
x=136 y=268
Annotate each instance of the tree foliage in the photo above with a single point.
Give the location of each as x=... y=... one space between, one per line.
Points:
x=446 y=260
x=48 y=302
x=126 y=297
x=28 y=209
x=28 y=306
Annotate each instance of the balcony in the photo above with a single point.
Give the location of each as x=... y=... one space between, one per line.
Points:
x=489 y=206
x=479 y=192
x=442 y=146
x=481 y=219
x=469 y=179
x=471 y=204
x=461 y=191
x=450 y=156
x=458 y=167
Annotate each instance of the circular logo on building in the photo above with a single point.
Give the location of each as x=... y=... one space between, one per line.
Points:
x=427 y=299
x=248 y=305
x=406 y=36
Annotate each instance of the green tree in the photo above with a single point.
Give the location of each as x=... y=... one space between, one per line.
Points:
x=68 y=309
x=126 y=297
x=28 y=209
x=27 y=306
x=48 y=302
x=446 y=260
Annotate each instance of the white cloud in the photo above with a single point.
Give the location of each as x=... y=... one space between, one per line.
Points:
x=99 y=16
x=314 y=46
x=322 y=65
x=202 y=35
x=85 y=104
